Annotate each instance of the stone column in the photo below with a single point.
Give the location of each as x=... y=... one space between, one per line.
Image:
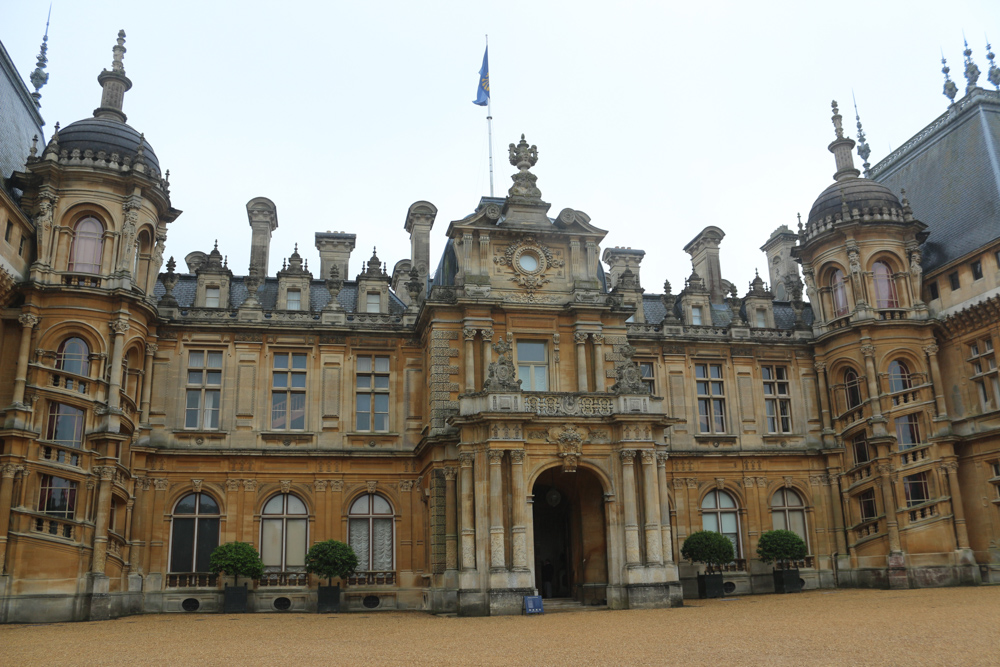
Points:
x=450 y=519
x=28 y=322
x=156 y=554
x=519 y=513
x=487 y=336
x=118 y=331
x=661 y=478
x=824 y=395
x=574 y=259
x=873 y=392
x=581 y=360
x=106 y=473
x=889 y=504
x=599 y=375
x=7 y=473
x=496 y=509
x=140 y=490
x=837 y=508
x=484 y=254
x=932 y=359
x=591 y=260
x=470 y=359
x=651 y=504
x=467 y=490
x=628 y=502
x=229 y=532
x=147 y=383
x=408 y=551
x=465 y=241
x=957 y=509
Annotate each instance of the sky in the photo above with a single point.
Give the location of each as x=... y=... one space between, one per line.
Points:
x=657 y=119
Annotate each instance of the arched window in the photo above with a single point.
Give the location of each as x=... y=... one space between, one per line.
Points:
x=839 y=289
x=371 y=533
x=283 y=534
x=88 y=242
x=788 y=512
x=719 y=513
x=194 y=533
x=73 y=356
x=852 y=385
x=899 y=376
x=885 y=288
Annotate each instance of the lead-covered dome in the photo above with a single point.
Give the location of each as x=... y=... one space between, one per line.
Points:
x=857 y=193
x=108 y=135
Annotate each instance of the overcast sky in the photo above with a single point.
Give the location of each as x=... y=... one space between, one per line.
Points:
x=657 y=119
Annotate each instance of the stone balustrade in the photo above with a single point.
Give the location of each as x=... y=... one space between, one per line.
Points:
x=193 y=580
x=283 y=579
x=550 y=404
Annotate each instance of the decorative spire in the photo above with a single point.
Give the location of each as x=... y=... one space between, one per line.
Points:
x=950 y=89
x=994 y=73
x=971 y=70
x=864 y=150
x=841 y=148
x=114 y=83
x=39 y=77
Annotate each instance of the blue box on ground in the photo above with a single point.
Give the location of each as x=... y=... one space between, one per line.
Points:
x=533 y=604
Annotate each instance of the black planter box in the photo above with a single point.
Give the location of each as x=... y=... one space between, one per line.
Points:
x=235 y=600
x=710 y=585
x=328 y=600
x=787 y=581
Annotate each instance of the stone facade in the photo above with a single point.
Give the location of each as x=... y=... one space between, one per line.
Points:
x=516 y=412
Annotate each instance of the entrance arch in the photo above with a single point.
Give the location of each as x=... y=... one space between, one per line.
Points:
x=569 y=531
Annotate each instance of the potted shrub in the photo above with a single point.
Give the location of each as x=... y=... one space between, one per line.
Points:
x=783 y=548
x=327 y=560
x=236 y=559
x=714 y=550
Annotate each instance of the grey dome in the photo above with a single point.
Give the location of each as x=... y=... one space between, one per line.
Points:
x=103 y=134
x=859 y=193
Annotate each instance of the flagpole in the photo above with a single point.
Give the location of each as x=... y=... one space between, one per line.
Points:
x=489 y=124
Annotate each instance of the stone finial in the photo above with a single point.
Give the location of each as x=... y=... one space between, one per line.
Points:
x=838 y=126
x=40 y=77
x=118 y=51
x=994 y=73
x=501 y=375
x=524 y=157
x=115 y=84
x=841 y=148
x=971 y=70
x=950 y=89
x=333 y=285
x=169 y=280
x=864 y=150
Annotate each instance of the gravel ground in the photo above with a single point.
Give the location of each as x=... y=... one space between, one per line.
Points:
x=948 y=626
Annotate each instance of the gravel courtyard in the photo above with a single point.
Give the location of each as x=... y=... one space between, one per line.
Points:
x=951 y=626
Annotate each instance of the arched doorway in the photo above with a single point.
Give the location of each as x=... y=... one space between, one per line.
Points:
x=570 y=536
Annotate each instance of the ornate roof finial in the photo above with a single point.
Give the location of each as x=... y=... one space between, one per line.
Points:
x=971 y=70
x=864 y=150
x=799 y=216
x=216 y=244
x=837 y=126
x=225 y=262
x=39 y=77
x=841 y=148
x=524 y=157
x=34 y=146
x=950 y=89
x=994 y=73
x=114 y=83
x=118 y=51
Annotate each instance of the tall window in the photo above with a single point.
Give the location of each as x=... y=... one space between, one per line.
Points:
x=760 y=318
x=88 y=242
x=839 y=289
x=984 y=373
x=532 y=365
x=899 y=377
x=711 y=398
x=720 y=514
x=866 y=503
x=907 y=431
x=73 y=356
x=372 y=397
x=646 y=370
x=788 y=512
x=916 y=489
x=288 y=392
x=696 y=316
x=977 y=269
x=852 y=388
x=194 y=533
x=373 y=302
x=212 y=296
x=65 y=425
x=370 y=533
x=9 y=231
x=885 y=286
x=861 y=451
x=283 y=534
x=293 y=299
x=777 y=401
x=953 y=281
x=57 y=497
x=204 y=389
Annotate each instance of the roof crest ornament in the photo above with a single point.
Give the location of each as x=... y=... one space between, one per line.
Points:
x=114 y=84
x=950 y=89
x=118 y=54
x=994 y=73
x=524 y=157
x=864 y=150
x=971 y=70
x=837 y=118
x=39 y=77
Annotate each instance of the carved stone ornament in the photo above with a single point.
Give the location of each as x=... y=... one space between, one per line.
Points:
x=517 y=456
x=502 y=376
x=232 y=485
x=319 y=485
x=524 y=189
x=406 y=485
x=570 y=443
x=868 y=350
x=647 y=456
x=371 y=486
x=661 y=459
x=496 y=456
x=28 y=320
x=151 y=348
x=161 y=484
x=286 y=485
x=465 y=460
x=249 y=485
x=487 y=334
x=530 y=260
x=627 y=374
x=627 y=456
x=196 y=485
x=469 y=333
x=450 y=473
x=118 y=326
x=930 y=350
x=336 y=485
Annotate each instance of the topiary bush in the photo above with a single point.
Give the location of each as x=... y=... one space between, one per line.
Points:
x=782 y=547
x=708 y=547
x=331 y=559
x=236 y=559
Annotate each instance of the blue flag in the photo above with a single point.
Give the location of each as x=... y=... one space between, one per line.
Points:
x=483 y=92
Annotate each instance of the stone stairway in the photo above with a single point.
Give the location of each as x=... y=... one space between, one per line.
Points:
x=559 y=605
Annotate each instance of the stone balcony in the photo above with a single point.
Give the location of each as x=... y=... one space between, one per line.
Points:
x=560 y=404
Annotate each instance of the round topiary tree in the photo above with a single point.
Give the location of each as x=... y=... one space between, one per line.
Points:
x=331 y=559
x=236 y=559
x=782 y=547
x=708 y=547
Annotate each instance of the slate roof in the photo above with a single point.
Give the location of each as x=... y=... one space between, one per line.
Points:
x=19 y=119
x=951 y=172
x=784 y=315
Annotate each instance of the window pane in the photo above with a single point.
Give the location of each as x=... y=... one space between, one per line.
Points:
x=208 y=539
x=206 y=505
x=728 y=522
x=778 y=499
x=778 y=519
x=380 y=505
x=274 y=505
x=364 y=364
x=298 y=361
x=360 y=506
x=295 y=544
x=364 y=421
x=215 y=360
x=710 y=521
x=382 y=544
x=281 y=361
x=524 y=375
x=541 y=379
x=297 y=414
x=709 y=501
x=381 y=422
x=196 y=359
x=278 y=408
x=194 y=377
x=381 y=402
x=295 y=506
x=298 y=380
x=364 y=402
x=364 y=382
x=182 y=545
x=530 y=351
x=213 y=377
x=187 y=504
x=726 y=500
x=797 y=521
x=270 y=542
x=381 y=364
x=358 y=539
x=381 y=381
x=280 y=380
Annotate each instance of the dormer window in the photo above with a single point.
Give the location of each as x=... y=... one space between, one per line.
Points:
x=696 y=318
x=293 y=300
x=212 y=295
x=373 y=302
x=88 y=243
x=839 y=289
x=761 y=318
x=885 y=288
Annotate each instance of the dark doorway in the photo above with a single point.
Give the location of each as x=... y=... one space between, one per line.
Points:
x=570 y=544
